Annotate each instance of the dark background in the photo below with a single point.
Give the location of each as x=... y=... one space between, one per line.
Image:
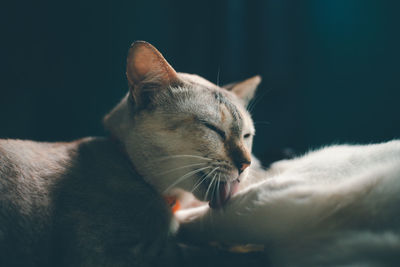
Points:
x=330 y=68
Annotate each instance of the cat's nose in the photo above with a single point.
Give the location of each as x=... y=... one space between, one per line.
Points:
x=241 y=157
x=244 y=165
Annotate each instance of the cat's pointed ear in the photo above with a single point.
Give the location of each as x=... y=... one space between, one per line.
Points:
x=147 y=71
x=246 y=89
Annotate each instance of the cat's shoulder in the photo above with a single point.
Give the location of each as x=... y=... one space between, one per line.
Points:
x=27 y=157
x=24 y=151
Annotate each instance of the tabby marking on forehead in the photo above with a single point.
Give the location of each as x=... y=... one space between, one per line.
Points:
x=237 y=120
x=223 y=116
x=176 y=124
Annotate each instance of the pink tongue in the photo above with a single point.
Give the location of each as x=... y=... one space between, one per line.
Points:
x=223 y=193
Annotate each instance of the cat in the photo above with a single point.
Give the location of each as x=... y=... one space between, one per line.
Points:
x=336 y=206
x=100 y=201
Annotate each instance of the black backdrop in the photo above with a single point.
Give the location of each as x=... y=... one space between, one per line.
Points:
x=330 y=68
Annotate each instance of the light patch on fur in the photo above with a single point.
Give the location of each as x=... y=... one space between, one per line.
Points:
x=334 y=206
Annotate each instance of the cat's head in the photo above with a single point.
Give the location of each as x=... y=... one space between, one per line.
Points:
x=182 y=131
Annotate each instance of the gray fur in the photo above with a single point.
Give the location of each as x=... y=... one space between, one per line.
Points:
x=77 y=204
x=161 y=100
x=99 y=201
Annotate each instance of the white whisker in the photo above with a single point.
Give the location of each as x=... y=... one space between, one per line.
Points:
x=199 y=182
x=181 y=156
x=219 y=181
x=256 y=99
x=187 y=175
x=202 y=180
x=179 y=168
x=218 y=76
x=209 y=186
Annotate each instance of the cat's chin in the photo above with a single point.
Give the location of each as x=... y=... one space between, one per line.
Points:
x=217 y=194
x=223 y=193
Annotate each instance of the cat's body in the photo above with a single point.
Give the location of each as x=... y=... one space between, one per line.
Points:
x=77 y=204
x=338 y=206
x=100 y=202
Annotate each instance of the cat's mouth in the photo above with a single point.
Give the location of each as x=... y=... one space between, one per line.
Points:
x=222 y=192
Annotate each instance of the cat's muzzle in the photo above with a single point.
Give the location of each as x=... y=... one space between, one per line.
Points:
x=222 y=192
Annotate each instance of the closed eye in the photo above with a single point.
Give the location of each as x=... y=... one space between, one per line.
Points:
x=215 y=129
x=246 y=135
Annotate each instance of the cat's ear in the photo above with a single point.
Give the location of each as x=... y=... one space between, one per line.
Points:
x=147 y=71
x=246 y=89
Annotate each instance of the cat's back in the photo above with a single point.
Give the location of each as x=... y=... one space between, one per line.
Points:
x=28 y=170
x=25 y=157
x=29 y=166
